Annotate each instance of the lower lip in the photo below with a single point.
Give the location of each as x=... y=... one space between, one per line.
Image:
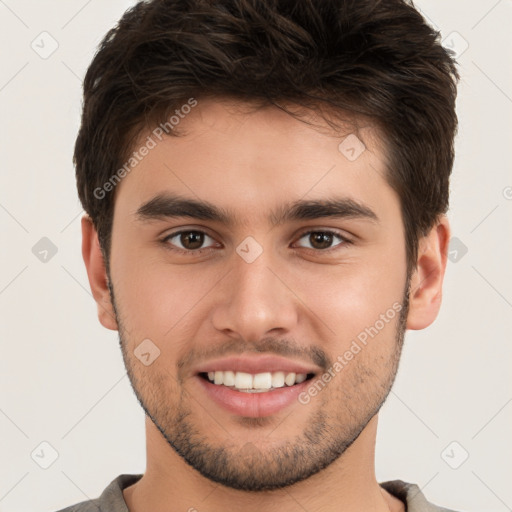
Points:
x=253 y=405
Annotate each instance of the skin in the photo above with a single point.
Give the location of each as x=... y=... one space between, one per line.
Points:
x=195 y=308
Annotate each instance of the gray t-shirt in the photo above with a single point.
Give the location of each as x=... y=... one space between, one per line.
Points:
x=111 y=499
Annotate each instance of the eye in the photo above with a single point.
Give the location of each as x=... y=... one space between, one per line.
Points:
x=322 y=240
x=190 y=240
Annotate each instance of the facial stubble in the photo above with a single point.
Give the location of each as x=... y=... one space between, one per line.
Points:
x=256 y=466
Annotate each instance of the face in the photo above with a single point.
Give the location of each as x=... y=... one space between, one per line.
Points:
x=262 y=288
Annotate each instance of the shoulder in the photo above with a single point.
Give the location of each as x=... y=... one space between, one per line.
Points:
x=111 y=499
x=83 y=506
x=412 y=496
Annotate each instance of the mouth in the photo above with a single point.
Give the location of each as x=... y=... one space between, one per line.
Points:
x=264 y=382
x=254 y=395
x=254 y=386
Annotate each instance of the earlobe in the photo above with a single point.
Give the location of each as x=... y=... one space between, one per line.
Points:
x=427 y=280
x=97 y=274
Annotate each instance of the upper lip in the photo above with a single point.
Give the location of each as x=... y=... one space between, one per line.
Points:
x=257 y=364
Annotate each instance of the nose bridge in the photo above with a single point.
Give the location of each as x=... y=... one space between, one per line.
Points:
x=253 y=279
x=254 y=300
x=254 y=284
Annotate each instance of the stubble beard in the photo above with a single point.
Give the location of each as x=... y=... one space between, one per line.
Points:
x=256 y=467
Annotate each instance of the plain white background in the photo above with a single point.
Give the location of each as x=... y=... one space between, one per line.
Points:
x=62 y=379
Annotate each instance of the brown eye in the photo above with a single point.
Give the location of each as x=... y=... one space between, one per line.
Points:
x=323 y=240
x=320 y=240
x=190 y=240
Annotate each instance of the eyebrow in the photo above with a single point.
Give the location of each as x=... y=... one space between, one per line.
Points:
x=168 y=206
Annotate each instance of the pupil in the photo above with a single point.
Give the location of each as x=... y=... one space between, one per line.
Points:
x=192 y=240
x=321 y=240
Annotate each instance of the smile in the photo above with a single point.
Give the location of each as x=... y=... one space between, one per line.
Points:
x=255 y=383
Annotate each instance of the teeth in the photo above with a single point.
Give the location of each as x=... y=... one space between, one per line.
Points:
x=255 y=383
x=301 y=377
x=289 y=380
x=228 y=379
x=262 y=381
x=242 y=380
x=278 y=379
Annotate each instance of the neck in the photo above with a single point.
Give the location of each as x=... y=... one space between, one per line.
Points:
x=347 y=485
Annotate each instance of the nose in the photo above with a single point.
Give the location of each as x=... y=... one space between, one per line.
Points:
x=254 y=299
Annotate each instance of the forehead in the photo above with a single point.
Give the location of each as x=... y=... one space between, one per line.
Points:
x=239 y=157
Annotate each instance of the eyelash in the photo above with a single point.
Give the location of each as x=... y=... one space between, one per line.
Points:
x=345 y=241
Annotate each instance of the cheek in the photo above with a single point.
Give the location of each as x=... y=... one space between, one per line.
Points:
x=354 y=301
x=157 y=298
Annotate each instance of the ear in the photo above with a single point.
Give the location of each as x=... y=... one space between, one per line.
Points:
x=427 y=280
x=96 y=271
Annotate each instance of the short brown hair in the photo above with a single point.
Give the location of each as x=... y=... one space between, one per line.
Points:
x=374 y=58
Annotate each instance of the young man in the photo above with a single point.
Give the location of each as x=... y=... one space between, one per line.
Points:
x=266 y=184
